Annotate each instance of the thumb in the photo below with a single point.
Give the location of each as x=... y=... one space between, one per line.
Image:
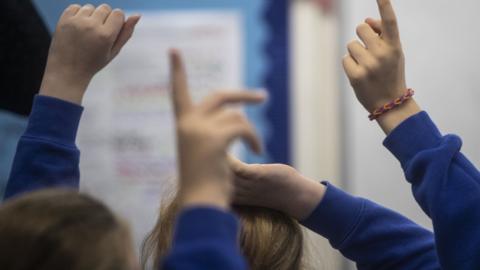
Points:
x=125 y=34
x=248 y=171
x=239 y=168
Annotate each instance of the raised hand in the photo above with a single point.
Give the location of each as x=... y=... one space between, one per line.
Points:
x=276 y=186
x=85 y=41
x=204 y=133
x=376 y=67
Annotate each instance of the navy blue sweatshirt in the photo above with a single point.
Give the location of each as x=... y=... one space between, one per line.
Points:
x=371 y=235
x=446 y=186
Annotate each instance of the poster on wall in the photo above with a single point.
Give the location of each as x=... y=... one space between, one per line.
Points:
x=127 y=132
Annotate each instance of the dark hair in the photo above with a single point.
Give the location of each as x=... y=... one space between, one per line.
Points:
x=59 y=229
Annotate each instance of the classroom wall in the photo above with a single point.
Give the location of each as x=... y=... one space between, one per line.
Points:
x=314 y=103
x=331 y=136
x=440 y=40
x=104 y=165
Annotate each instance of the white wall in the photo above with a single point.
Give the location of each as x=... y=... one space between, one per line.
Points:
x=314 y=108
x=441 y=40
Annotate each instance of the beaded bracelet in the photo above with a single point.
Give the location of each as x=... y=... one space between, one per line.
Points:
x=391 y=105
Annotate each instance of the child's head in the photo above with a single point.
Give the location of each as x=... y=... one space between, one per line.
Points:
x=269 y=239
x=57 y=229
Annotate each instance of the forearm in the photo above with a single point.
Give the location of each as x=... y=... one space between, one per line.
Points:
x=46 y=154
x=57 y=81
x=207 y=195
x=445 y=184
x=389 y=121
x=372 y=236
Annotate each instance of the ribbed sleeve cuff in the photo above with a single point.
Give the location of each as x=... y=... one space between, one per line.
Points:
x=415 y=134
x=54 y=119
x=203 y=223
x=336 y=215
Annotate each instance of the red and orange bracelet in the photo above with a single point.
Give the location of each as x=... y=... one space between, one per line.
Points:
x=391 y=105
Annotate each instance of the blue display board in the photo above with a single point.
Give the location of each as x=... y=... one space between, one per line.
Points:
x=266 y=48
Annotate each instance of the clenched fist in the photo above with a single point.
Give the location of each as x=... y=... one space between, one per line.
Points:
x=85 y=41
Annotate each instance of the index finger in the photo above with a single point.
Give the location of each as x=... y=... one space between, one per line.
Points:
x=180 y=95
x=389 y=20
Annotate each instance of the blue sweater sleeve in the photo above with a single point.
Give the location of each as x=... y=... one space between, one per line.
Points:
x=205 y=238
x=445 y=184
x=370 y=235
x=48 y=157
x=46 y=153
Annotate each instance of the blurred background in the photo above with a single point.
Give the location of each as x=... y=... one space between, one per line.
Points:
x=292 y=49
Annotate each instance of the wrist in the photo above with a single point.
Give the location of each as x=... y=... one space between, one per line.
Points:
x=390 y=120
x=210 y=195
x=65 y=85
x=310 y=195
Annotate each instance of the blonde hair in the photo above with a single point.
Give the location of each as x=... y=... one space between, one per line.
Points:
x=269 y=239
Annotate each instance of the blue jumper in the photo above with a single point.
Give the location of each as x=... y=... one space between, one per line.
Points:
x=371 y=235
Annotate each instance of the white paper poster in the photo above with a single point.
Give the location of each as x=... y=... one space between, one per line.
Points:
x=127 y=132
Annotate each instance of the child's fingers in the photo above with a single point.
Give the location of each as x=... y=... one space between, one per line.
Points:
x=71 y=11
x=180 y=94
x=229 y=116
x=242 y=198
x=101 y=13
x=220 y=99
x=236 y=165
x=358 y=52
x=241 y=184
x=245 y=131
x=114 y=22
x=376 y=25
x=244 y=170
x=368 y=36
x=125 y=34
x=86 y=11
x=352 y=69
x=389 y=20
